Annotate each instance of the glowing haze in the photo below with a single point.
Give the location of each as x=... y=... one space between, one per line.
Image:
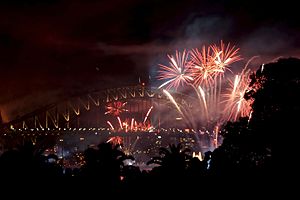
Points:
x=205 y=74
x=53 y=49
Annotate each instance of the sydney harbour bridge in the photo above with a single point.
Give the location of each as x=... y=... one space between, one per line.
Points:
x=141 y=118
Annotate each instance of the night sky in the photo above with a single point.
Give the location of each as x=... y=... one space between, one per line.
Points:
x=50 y=49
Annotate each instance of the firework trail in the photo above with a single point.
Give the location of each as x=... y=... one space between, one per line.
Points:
x=145 y=119
x=224 y=56
x=132 y=124
x=131 y=147
x=111 y=126
x=124 y=143
x=116 y=140
x=120 y=122
x=127 y=146
x=125 y=124
x=208 y=67
x=216 y=131
x=173 y=101
x=203 y=70
x=204 y=100
x=236 y=105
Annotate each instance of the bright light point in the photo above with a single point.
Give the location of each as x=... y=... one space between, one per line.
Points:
x=198 y=155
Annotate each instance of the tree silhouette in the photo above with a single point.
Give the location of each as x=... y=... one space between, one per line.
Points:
x=175 y=159
x=276 y=110
x=264 y=143
x=172 y=167
x=176 y=169
x=105 y=164
x=28 y=161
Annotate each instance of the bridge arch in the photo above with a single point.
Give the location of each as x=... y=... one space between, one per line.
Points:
x=59 y=115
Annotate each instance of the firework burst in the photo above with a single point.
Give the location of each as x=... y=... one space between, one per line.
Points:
x=224 y=56
x=116 y=108
x=177 y=73
x=236 y=105
x=203 y=70
x=131 y=125
x=116 y=140
x=202 y=66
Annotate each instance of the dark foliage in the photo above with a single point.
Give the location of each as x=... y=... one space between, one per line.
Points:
x=265 y=144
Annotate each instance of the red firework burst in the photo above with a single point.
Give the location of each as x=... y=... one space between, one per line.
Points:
x=116 y=108
x=202 y=66
x=225 y=55
x=236 y=104
x=117 y=140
